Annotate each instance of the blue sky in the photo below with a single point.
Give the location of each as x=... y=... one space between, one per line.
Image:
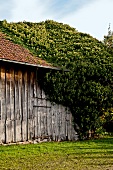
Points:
x=89 y=16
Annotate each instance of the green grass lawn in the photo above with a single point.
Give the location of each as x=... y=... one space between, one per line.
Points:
x=81 y=155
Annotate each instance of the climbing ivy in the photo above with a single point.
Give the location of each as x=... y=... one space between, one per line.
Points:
x=85 y=81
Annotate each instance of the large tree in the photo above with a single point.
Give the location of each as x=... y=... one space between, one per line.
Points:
x=87 y=87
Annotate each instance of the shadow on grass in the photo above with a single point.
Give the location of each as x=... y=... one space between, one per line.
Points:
x=98 y=163
x=103 y=140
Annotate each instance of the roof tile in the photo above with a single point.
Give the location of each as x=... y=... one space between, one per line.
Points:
x=15 y=52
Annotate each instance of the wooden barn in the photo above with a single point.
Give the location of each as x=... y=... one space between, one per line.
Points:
x=25 y=112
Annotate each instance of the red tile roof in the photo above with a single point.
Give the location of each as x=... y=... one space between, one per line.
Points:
x=15 y=52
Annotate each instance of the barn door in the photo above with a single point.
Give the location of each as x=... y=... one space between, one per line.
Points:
x=42 y=122
x=39 y=124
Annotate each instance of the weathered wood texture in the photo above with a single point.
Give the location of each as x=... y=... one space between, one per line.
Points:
x=25 y=113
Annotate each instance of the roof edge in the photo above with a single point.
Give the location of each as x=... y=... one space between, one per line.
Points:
x=33 y=65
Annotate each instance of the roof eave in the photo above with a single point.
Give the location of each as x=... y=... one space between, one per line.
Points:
x=28 y=64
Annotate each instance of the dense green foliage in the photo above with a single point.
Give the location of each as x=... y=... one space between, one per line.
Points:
x=87 y=88
x=81 y=155
x=107 y=121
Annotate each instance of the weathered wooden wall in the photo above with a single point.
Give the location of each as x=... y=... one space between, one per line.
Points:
x=25 y=113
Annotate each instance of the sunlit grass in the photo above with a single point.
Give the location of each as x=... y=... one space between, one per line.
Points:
x=80 y=155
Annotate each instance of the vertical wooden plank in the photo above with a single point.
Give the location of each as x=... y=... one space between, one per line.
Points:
x=36 y=122
x=53 y=122
x=31 y=103
x=38 y=115
x=24 y=110
x=23 y=95
x=0 y=92
x=23 y=122
x=67 y=123
x=8 y=109
x=20 y=99
x=20 y=93
x=8 y=115
x=66 y=119
x=49 y=119
x=34 y=85
x=12 y=93
x=63 y=122
x=3 y=105
x=42 y=121
x=35 y=108
x=0 y=83
x=28 y=95
x=39 y=123
x=16 y=105
x=28 y=86
x=17 y=121
x=23 y=130
x=13 y=131
x=9 y=131
x=12 y=98
x=2 y=131
x=17 y=116
x=9 y=127
x=18 y=130
x=60 y=124
x=26 y=102
x=34 y=119
x=30 y=129
x=14 y=121
x=44 y=115
x=70 y=125
x=45 y=121
x=3 y=93
x=56 y=112
x=31 y=92
x=0 y=108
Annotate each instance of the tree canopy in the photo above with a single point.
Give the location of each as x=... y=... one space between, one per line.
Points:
x=87 y=87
